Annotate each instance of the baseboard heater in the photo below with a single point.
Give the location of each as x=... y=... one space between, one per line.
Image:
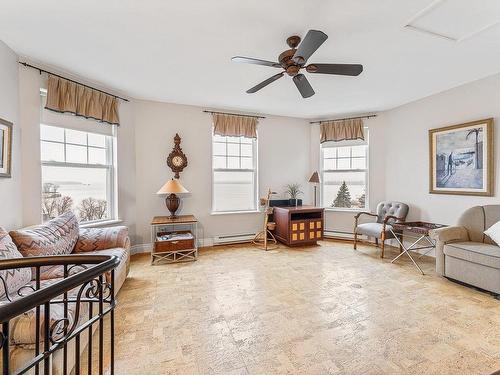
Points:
x=338 y=234
x=233 y=238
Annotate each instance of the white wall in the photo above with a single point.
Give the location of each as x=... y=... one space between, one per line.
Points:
x=283 y=154
x=10 y=188
x=407 y=154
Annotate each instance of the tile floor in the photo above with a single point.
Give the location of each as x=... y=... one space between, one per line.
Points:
x=317 y=310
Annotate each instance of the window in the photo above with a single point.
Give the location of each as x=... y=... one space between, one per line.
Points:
x=345 y=174
x=234 y=174
x=77 y=174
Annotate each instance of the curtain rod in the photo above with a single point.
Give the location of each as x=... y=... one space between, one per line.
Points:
x=233 y=114
x=71 y=80
x=341 y=119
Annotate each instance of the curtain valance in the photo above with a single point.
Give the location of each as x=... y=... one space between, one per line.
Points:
x=70 y=97
x=341 y=130
x=235 y=126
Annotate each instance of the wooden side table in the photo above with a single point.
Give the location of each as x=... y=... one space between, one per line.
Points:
x=174 y=239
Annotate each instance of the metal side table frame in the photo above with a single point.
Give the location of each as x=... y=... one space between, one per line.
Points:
x=421 y=229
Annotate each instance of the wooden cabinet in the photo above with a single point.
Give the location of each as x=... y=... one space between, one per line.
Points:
x=301 y=225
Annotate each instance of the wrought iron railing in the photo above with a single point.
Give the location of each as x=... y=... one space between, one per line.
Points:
x=87 y=296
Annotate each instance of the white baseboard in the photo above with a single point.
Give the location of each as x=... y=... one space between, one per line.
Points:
x=141 y=248
x=147 y=247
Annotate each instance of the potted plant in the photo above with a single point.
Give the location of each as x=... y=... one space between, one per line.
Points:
x=293 y=190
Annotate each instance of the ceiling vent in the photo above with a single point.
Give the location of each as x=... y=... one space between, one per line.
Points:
x=456 y=20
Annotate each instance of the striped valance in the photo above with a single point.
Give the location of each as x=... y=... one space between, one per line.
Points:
x=341 y=130
x=235 y=126
x=69 y=97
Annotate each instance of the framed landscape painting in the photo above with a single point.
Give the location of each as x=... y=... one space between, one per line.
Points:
x=461 y=159
x=5 y=148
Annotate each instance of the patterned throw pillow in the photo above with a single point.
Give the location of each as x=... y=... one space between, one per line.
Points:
x=56 y=237
x=14 y=278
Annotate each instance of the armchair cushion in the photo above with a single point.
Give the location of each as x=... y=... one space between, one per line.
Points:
x=92 y=239
x=55 y=237
x=14 y=278
x=374 y=230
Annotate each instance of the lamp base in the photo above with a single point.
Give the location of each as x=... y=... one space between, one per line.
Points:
x=172 y=202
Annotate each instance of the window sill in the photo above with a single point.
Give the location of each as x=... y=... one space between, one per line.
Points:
x=235 y=212
x=104 y=223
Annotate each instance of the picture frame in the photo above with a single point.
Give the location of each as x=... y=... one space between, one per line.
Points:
x=461 y=159
x=5 y=148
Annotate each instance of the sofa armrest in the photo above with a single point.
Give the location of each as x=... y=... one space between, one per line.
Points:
x=92 y=239
x=448 y=234
x=443 y=236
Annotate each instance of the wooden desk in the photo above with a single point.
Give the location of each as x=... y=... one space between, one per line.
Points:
x=301 y=225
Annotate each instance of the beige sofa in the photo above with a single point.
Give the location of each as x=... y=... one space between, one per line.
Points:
x=59 y=236
x=464 y=253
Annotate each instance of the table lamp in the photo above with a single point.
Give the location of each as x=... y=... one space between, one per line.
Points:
x=315 y=180
x=172 y=201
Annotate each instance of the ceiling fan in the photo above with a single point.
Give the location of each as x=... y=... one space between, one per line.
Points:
x=295 y=59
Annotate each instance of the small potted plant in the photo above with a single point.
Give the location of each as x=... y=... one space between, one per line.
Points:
x=293 y=190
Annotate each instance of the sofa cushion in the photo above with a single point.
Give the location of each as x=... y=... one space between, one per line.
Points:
x=475 y=252
x=55 y=237
x=92 y=239
x=374 y=230
x=14 y=278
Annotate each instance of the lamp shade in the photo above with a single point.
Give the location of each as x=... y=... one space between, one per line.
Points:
x=172 y=187
x=314 y=178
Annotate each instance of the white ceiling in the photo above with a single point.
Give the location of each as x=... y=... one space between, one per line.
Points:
x=180 y=51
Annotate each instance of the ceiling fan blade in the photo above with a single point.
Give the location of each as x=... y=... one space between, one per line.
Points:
x=311 y=42
x=340 y=69
x=265 y=83
x=250 y=60
x=303 y=85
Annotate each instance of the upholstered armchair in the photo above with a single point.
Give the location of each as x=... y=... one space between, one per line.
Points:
x=388 y=212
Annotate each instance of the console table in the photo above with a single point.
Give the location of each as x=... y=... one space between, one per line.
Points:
x=296 y=226
x=174 y=239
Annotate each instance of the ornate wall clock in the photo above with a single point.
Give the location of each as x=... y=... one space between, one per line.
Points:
x=177 y=160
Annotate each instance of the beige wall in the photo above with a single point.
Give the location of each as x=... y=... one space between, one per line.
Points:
x=288 y=151
x=342 y=221
x=283 y=154
x=407 y=157
x=10 y=188
x=30 y=82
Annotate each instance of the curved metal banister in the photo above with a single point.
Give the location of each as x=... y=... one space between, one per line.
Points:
x=102 y=264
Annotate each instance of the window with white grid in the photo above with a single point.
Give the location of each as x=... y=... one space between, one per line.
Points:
x=234 y=174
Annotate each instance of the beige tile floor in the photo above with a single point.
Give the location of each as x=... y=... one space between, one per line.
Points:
x=318 y=310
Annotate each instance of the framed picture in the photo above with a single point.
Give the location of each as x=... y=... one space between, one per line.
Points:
x=5 y=148
x=461 y=159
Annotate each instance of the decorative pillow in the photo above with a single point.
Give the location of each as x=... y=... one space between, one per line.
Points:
x=493 y=232
x=14 y=278
x=56 y=237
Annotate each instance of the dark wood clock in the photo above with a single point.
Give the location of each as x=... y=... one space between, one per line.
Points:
x=177 y=160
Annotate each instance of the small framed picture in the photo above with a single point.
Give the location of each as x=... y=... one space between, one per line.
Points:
x=5 y=148
x=461 y=159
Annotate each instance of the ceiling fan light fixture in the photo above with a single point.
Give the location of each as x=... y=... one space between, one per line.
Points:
x=294 y=59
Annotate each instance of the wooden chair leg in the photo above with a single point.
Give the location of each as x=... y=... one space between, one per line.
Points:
x=382 y=240
x=355 y=239
x=401 y=247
